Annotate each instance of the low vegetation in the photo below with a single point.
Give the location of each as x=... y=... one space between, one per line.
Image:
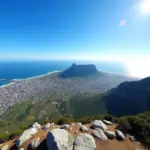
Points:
x=24 y=114
x=85 y=105
x=138 y=125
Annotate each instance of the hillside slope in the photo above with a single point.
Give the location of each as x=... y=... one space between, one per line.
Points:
x=86 y=105
x=129 y=98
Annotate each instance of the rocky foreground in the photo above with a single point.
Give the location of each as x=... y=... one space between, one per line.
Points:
x=51 y=85
x=97 y=135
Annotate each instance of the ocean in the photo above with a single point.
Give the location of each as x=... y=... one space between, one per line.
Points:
x=10 y=70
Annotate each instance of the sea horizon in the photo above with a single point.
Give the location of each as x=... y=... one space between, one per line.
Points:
x=19 y=70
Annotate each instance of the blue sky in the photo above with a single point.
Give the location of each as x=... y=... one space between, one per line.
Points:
x=60 y=29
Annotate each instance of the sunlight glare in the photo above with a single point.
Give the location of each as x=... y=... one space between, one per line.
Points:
x=139 y=68
x=145 y=7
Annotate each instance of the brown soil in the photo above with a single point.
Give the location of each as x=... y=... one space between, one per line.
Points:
x=101 y=145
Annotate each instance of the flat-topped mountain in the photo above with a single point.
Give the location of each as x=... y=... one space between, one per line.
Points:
x=79 y=70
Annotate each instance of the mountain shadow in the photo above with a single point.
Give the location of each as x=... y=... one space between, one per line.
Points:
x=129 y=98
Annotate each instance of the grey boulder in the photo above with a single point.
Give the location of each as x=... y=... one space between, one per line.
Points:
x=65 y=126
x=107 y=122
x=59 y=139
x=84 y=129
x=46 y=127
x=110 y=134
x=99 y=124
x=132 y=138
x=98 y=133
x=120 y=135
x=84 y=142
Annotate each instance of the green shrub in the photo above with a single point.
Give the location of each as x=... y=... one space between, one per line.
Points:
x=68 y=116
x=64 y=120
x=109 y=117
x=4 y=137
x=116 y=120
x=15 y=134
x=46 y=121
x=124 y=125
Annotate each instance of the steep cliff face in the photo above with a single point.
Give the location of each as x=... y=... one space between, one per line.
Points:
x=79 y=70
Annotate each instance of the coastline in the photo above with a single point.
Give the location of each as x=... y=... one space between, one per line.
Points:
x=13 y=81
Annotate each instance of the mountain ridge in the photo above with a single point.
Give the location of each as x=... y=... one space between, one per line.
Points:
x=129 y=98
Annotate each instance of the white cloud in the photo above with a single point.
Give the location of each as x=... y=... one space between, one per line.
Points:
x=122 y=23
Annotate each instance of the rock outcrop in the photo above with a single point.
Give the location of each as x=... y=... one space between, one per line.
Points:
x=65 y=126
x=59 y=139
x=27 y=134
x=99 y=124
x=84 y=142
x=79 y=124
x=132 y=138
x=107 y=122
x=36 y=125
x=46 y=127
x=84 y=128
x=98 y=133
x=120 y=135
x=110 y=134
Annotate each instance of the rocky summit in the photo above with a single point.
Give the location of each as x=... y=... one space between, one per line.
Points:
x=72 y=138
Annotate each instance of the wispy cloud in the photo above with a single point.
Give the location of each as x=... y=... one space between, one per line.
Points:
x=122 y=23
